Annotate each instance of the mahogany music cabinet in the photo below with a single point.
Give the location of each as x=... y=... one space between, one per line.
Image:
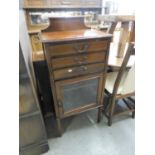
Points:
x=77 y=61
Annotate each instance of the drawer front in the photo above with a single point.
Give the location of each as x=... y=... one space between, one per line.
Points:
x=76 y=48
x=78 y=60
x=72 y=2
x=79 y=70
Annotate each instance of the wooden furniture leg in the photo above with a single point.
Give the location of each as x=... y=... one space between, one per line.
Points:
x=59 y=125
x=112 y=107
x=133 y=114
x=123 y=39
x=99 y=114
x=112 y=27
x=109 y=121
x=128 y=105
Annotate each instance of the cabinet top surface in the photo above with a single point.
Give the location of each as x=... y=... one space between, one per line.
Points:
x=62 y=36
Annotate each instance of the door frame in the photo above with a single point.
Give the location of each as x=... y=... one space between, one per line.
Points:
x=60 y=84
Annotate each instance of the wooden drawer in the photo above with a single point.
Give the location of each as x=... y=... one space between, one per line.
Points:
x=79 y=70
x=78 y=60
x=76 y=48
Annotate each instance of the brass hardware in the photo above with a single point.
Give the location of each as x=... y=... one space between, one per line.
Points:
x=79 y=62
x=80 y=68
x=81 y=59
x=85 y=47
x=82 y=50
x=84 y=67
x=85 y=57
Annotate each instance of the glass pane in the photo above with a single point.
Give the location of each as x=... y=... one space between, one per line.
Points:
x=79 y=94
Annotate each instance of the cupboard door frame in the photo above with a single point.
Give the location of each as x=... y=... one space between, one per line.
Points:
x=59 y=92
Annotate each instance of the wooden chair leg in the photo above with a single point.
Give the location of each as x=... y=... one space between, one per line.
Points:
x=110 y=121
x=99 y=114
x=133 y=114
x=111 y=110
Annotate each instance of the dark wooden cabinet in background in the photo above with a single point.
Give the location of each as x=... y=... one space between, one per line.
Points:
x=32 y=133
x=77 y=63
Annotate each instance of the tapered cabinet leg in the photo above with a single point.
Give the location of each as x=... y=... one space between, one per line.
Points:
x=99 y=115
x=109 y=121
x=59 y=125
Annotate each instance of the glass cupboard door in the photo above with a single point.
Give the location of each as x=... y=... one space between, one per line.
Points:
x=78 y=95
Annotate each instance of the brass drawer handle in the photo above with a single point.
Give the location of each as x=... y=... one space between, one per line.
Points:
x=83 y=50
x=81 y=60
x=85 y=47
x=84 y=67
x=85 y=57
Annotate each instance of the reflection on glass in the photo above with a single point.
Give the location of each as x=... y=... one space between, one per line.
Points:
x=91 y=20
x=79 y=94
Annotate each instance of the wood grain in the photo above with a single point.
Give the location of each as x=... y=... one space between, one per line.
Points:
x=65 y=23
x=61 y=3
x=54 y=37
x=78 y=60
x=77 y=71
x=59 y=47
x=76 y=47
